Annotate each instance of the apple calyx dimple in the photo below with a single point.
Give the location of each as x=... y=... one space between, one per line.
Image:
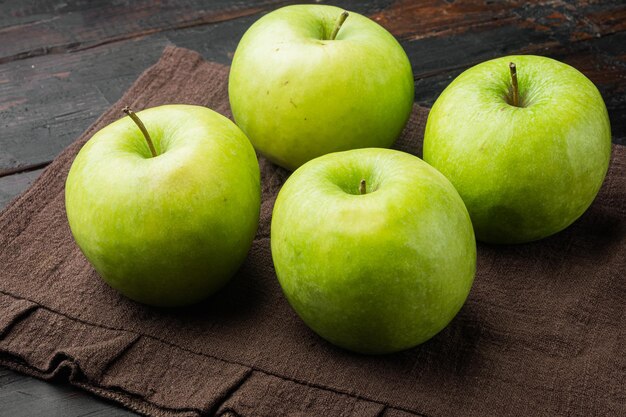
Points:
x=514 y=87
x=362 y=187
x=342 y=18
x=141 y=127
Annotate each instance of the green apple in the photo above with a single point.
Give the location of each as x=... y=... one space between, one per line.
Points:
x=373 y=248
x=169 y=229
x=525 y=170
x=306 y=81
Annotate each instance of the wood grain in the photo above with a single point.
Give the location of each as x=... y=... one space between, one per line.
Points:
x=46 y=101
x=12 y=185
x=562 y=21
x=40 y=28
x=20 y=396
x=444 y=38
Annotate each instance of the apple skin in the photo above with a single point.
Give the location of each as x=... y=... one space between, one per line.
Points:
x=374 y=273
x=298 y=95
x=526 y=172
x=167 y=230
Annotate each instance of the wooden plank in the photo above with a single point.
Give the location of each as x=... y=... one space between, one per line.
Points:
x=13 y=185
x=47 y=101
x=35 y=28
x=42 y=27
x=560 y=20
x=39 y=120
x=22 y=396
x=441 y=38
x=444 y=38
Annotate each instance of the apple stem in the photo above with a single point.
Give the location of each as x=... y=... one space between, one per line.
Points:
x=362 y=187
x=513 y=69
x=141 y=127
x=342 y=18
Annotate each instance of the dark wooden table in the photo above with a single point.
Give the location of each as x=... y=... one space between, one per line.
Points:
x=63 y=63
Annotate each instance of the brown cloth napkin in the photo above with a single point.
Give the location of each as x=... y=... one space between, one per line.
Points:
x=542 y=332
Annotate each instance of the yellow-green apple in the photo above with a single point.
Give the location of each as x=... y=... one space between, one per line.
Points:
x=167 y=217
x=307 y=80
x=526 y=145
x=373 y=248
